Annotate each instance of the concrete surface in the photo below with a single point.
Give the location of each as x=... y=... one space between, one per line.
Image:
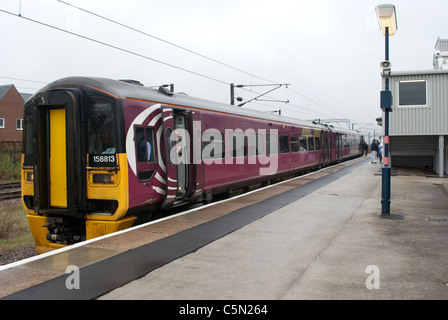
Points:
x=43 y=276
x=332 y=244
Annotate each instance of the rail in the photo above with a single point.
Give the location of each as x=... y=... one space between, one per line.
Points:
x=10 y=191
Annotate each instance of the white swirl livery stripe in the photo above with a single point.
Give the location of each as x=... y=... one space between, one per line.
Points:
x=130 y=145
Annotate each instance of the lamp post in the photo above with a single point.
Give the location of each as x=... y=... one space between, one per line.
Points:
x=388 y=24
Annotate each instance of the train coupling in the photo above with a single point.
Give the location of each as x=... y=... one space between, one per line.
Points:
x=65 y=231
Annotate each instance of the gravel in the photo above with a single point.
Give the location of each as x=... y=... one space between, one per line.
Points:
x=17 y=255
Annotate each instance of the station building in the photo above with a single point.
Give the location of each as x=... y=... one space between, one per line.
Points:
x=418 y=123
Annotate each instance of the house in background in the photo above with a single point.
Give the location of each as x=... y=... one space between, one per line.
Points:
x=11 y=119
x=418 y=123
x=11 y=113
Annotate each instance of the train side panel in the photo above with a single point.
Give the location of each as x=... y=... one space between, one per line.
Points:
x=101 y=155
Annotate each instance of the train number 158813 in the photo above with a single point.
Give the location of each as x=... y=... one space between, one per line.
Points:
x=102 y=160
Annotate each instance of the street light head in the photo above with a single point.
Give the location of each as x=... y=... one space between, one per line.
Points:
x=387 y=18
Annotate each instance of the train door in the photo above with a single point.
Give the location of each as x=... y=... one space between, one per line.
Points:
x=339 y=147
x=170 y=161
x=57 y=158
x=197 y=166
x=58 y=150
x=325 y=148
x=181 y=154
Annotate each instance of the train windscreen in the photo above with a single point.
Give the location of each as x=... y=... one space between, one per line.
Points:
x=101 y=127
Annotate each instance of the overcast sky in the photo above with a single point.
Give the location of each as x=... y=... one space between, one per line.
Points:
x=328 y=51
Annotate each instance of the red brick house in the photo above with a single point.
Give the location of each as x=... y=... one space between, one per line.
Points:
x=11 y=113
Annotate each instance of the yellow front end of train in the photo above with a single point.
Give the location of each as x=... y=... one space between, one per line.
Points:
x=74 y=170
x=103 y=185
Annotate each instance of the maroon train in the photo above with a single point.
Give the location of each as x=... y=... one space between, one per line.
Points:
x=101 y=155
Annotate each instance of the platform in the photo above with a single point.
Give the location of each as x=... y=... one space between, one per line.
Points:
x=319 y=236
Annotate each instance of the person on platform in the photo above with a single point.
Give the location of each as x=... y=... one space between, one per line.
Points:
x=374 y=151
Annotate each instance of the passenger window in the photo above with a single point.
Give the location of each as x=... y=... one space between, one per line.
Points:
x=145 y=145
x=317 y=144
x=284 y=144
x=256 y=144
x=271 y=148
x=310 y=144
x=213 y=145
x=239 y=145
x=294 y=144
x=303 y=147
x=260 y=145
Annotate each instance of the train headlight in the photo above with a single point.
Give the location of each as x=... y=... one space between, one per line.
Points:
x=103 y=178
x=29 y=176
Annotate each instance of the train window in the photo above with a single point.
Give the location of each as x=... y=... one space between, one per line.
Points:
x=317 y=143
x=295 y=144
x=284 y=144
x=28 y=143
x=145 y=145
x=101 y=126
x=303 y=147
x=213 y=145
x=171 y=143
x=271 y=144
x=239 y=144
x=256 y=144
x=310 y=144
x=260 y=145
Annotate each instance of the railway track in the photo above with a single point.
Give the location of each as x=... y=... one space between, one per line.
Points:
x=10 y=191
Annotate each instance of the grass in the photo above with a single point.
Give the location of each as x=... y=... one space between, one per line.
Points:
x=14 y=228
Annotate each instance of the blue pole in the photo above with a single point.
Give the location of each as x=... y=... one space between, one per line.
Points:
x=385 y=194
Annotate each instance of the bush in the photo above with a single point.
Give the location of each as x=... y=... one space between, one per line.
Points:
x=9 y=168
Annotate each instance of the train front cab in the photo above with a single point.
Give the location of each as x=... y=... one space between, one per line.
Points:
x=74 y=177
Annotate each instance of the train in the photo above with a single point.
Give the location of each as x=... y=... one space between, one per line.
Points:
x=102 y=155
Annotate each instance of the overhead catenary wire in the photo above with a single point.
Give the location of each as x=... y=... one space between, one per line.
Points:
x=156 y=60
x=113 y=46
x=26 y=80
x=163 y=40
x=191 y=51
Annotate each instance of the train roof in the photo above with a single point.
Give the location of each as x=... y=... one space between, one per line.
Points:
x=133 y=89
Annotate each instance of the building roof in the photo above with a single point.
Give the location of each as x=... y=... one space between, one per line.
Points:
x=25 y=96
x=4 y=90
x=442 y=45
x=417 y=72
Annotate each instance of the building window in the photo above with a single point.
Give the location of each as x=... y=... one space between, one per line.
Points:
x=19 y=124
x=2 y=122
x=412 y=93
